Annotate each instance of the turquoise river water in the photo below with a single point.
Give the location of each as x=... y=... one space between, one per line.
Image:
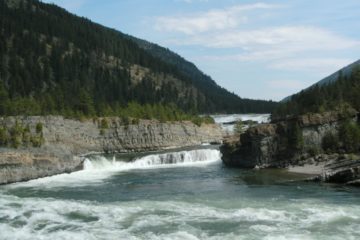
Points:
x=183 y=194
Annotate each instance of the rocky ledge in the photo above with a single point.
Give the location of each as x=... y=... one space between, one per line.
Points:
x=295 y=143
x=65 y=140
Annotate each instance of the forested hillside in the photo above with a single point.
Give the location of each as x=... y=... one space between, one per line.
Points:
x=224 y=99
x=339 y=94
x=53 y=62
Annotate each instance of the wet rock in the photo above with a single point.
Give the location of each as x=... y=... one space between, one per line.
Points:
x=342 y=171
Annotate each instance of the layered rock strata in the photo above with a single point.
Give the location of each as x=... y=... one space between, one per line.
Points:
x=65 y=139
x=274 y=145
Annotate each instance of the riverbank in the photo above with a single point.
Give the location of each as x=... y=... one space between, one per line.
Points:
x=65 y=140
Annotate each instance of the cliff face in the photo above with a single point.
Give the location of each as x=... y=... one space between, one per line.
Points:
x=64 y=139
x=22 y=166
x=275 y=144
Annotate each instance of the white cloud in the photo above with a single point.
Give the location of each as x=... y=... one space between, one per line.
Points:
x=218 y=19
x=281 y=47
x=227 y=29
x=273 y=41
x=322 y=65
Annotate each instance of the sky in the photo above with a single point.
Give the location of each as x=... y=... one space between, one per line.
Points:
x=256 y=49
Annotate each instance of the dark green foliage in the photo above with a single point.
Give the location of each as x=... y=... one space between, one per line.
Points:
x=125 y=120
x=104 y=124
x=37 y=140
x=16 y=135
x=26 y=135
x=339 y=95
x=217 y=98
x=39 y=128
x=330 y=142
x=349 y=134
x=135 y=121
x=239 y=127
x=53 y=62
x=314 y=151
x=19 y=136
x=102 y=132
x=295 y=137
x=4 y=137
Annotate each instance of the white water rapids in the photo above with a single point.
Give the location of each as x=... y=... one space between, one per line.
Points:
x=171 y=159
x=183 y=195
x=97 y=167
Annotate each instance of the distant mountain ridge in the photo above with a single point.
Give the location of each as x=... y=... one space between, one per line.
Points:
x=345 y=71
x=337 y=92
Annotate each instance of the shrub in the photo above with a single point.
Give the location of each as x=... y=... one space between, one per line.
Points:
x=39 y=128
x=102 y=132
x=349 y=134
x=4 y=138
x=330 y=142
x=313 y=151
x=295 y=137
x=197 y=121
x=135 y=121
x=104 y=124
x=26 y=136
x=238 y=128
x=37 y=141
x=16 y=135
x=125 y=120
x=208 y=120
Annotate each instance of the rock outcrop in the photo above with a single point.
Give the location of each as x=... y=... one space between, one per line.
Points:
x=276 y=145
x=65 y=139
x=17 y=166
x=344 y=169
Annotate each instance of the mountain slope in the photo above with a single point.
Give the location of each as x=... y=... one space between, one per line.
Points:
x=345 y=72
x=227 y=101
x=339 y=90
x=53 y=62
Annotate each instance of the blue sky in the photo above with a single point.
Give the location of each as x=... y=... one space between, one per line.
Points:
x=257 y=49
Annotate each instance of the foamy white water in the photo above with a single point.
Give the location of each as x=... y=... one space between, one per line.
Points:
x=97 y=168
x=172 y=159
x=223 y=120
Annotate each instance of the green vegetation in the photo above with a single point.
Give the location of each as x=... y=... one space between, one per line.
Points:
x=239 y=127
x=218 y=98
x=39 y=128
x=314 y=151
x=349 y=134
x=330 y=142
x=295 y=137
x=340 y=95
x=104 y=124
x=17 y=136
x=3 y=136
x=53 y=62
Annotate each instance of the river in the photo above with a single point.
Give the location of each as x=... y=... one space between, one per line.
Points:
x=178 y=194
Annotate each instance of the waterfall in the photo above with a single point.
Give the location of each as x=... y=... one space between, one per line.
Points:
x=182 y=158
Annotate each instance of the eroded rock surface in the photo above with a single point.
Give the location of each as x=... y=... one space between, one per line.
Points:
x=273 y=145
x=65 y=139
